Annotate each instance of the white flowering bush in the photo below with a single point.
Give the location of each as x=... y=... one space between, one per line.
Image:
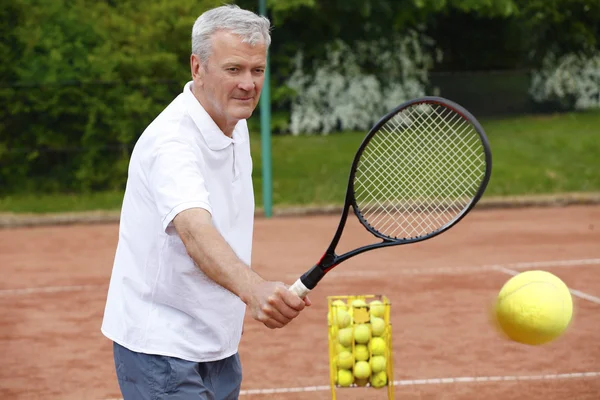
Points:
x=573 y=80
x=355 y=86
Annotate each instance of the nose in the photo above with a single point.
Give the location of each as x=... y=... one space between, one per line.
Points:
x=247 y=83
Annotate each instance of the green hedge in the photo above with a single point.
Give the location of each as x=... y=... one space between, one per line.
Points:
x=81 y=79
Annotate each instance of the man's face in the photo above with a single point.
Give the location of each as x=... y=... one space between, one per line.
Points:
x=231 y=81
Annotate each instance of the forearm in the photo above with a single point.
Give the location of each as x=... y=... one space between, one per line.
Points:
x=213 y=255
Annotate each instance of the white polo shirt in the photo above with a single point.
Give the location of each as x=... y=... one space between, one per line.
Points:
x=159 y=301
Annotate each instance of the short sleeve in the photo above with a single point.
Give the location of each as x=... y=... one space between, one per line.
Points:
x=176 y=181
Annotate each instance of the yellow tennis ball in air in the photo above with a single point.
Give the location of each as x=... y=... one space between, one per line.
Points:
x=361 y=352
x=345 y=360
x=362 y=370
x=362 y=333
x=378 y=364
x=534 y=307
x=377 y=345
x=345 y=377
x=345 y=337
x=377 y=326
x=379 y=379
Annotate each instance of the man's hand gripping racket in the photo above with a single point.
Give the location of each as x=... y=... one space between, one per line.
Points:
x=417 y=173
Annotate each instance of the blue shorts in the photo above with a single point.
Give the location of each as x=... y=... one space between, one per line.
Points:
x=149 y=377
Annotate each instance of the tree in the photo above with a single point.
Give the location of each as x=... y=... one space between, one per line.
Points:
x=86 y=79
x=561 y=26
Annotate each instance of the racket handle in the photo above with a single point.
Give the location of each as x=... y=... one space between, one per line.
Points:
x=307 y=281
x=299 y=288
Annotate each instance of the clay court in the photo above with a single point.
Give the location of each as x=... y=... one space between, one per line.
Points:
x=55 y=280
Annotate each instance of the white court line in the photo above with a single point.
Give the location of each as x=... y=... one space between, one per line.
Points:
x=564 y=263
x=49 y=289
x=434 y=381
x=342 y=273
x=574 y=292
x=472 y=379
x=458 y=270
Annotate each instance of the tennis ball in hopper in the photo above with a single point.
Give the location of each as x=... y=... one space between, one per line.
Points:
x=339 y=304
x=362 y=333
x=362 y=370
x=378 y=364
x=361 y=382
x=377 y=308
x=377 y=326
x=343 y=319
x=534 y=307
x=357 y=303
x=377 y=346
x=361 y=352
x=345 y=337
x=379 y=379
x=345 y=360
x=345 y=377
x=339 y=348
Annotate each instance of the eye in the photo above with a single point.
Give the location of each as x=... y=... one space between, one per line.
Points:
x=233 y=69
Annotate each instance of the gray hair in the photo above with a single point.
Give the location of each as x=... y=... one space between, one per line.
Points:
x=251 y=27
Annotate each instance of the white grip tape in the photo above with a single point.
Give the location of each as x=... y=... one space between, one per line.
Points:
x=299 y=288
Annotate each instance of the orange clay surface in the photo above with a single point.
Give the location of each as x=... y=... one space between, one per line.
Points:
x=55 y=280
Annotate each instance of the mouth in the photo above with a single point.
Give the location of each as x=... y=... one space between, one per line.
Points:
x=245 y=99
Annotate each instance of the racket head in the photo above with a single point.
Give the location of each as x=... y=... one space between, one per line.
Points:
x=419 y=170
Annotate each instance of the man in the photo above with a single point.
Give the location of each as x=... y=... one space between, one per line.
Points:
x=181 y=280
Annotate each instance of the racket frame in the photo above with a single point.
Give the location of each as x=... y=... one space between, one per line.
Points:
x=330 y=259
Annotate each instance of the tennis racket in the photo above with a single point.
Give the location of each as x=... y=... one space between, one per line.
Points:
x=417 y=173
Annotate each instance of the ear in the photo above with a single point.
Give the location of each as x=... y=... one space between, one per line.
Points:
x=197 y=69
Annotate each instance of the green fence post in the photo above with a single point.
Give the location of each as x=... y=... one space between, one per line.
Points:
x=265 y=132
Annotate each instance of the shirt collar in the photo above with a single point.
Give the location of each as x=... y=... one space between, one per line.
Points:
x=213 y=135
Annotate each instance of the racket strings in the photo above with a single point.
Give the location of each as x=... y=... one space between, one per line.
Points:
x=420 y=226
x=434 y=159
x=471 y=143
x=419 y=171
